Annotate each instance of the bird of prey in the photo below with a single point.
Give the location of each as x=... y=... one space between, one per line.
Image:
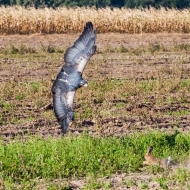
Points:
x=70 y=77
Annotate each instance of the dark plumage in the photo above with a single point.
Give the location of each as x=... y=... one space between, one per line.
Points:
x=70 y=77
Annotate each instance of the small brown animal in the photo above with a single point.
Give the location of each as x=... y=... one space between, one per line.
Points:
x=152 y=160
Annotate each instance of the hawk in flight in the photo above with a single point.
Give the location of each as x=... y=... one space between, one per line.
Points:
x=70 y=77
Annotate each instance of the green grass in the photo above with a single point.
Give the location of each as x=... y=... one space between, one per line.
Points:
x=84 y=155
x=22 y=49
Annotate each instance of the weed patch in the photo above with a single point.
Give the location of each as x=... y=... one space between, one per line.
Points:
x=85 y=155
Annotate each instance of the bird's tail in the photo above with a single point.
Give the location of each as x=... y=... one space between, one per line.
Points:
x=67 y=121
x=168 y=160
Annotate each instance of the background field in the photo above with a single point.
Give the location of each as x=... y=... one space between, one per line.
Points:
x=18 y=20
x=138 y=94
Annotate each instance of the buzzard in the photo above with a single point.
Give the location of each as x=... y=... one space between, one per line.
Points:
x=70 y=77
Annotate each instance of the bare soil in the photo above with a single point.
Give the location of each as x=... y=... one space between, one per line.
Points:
x=116 y=65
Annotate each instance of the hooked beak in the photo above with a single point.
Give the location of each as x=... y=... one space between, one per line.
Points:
x=83 y=83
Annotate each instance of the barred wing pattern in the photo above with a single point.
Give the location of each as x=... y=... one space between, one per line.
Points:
x=70 y=77
x=82 y=50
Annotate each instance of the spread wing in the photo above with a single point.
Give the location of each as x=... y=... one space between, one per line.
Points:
x=82 y=50
x=68 y=80
x=63 y=106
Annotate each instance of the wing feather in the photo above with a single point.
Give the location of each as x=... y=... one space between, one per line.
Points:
x=59 y=106
x=82 y=50
x=69 y=80
x=63 y=106
x=70 y=98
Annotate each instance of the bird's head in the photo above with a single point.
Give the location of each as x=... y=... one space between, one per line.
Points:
x=83 y=83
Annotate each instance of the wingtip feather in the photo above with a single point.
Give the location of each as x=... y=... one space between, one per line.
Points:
x=89 y=24
x=88 y=37
x=64 y=126
x=67 y=122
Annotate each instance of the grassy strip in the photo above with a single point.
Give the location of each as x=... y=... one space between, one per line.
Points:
x=85 y=155
x=22 y=49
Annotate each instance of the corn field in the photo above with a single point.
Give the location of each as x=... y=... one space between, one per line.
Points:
x=19 y=20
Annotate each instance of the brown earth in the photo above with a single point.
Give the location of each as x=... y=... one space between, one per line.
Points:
x=112 y=64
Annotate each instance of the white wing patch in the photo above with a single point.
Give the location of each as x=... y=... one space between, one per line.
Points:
x=81 y=62
x=64 y=80
x=70 y=98
x=65 y=73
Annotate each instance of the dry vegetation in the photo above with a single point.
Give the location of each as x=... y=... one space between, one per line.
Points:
x=18 y=20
